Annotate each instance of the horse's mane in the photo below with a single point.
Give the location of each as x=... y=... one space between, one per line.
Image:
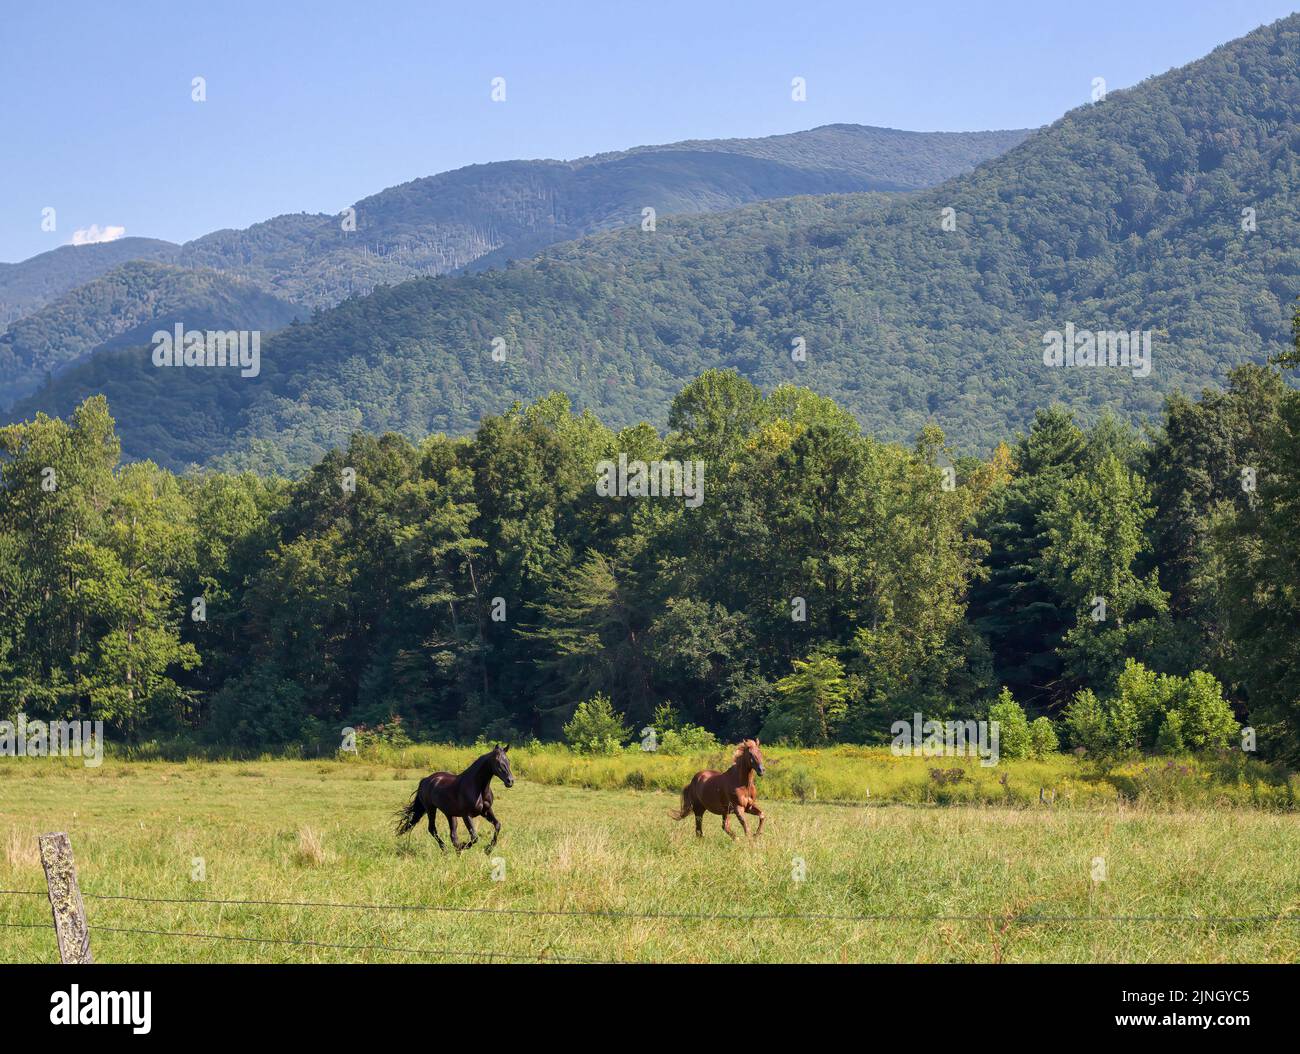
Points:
x=478 y=763
x=740 y=749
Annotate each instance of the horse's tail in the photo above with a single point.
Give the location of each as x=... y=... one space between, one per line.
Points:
x=687 y=807
x=409 y=816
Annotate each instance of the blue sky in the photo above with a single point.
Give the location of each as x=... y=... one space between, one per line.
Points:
x=313 y=106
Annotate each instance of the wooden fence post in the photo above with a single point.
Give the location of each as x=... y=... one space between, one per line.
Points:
x=65 y=898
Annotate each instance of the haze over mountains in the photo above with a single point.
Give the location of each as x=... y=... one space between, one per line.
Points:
x=71 y=302
x=1169 y=209
x=124 y=307
x=30 y=285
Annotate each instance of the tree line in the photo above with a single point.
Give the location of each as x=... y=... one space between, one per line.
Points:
x=828 y=583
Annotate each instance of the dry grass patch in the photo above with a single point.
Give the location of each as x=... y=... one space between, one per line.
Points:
x=21 y=850
x=311 y=851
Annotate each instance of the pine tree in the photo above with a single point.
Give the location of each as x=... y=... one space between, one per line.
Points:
x=1023 y=618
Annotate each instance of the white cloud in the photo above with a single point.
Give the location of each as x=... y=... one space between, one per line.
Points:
x=95 y=233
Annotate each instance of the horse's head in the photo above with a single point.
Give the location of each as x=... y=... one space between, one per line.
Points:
x=501 y=765
x=749 y=753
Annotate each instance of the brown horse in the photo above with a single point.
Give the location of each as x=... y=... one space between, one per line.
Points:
x=726 y=792
x=467 y=795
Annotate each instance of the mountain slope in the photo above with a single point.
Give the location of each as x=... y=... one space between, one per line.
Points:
x=1125 y=215
x=123 y=308
x=490 y=213
x=28 y=286
x=483 y=215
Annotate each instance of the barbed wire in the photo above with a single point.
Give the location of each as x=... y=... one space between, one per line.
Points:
x=1022 y=918
x=488 y=955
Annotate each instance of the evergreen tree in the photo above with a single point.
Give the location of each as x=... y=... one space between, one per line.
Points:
x=1021 y=615
x=812 y=701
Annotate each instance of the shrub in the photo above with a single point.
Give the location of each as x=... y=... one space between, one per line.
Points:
x=1205 y=716
x=1085 y=724
x=388 y=733
x=1042 y=737
x=1124 y=725
x=1014 y=737
x=1153 y=712
x=596 y=727
x=1169 y=740
x=665 y=718
x=802 y=785
x=258 y=709
x=1107 y=730
x=689 y=739
x=1140 y=703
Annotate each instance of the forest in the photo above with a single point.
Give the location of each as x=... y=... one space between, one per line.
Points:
x=1126 y=591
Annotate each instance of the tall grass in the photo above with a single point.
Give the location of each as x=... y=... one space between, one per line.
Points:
x=873 y=775
x=845 y=774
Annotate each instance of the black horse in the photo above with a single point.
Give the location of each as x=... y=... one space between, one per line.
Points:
x=467 y=795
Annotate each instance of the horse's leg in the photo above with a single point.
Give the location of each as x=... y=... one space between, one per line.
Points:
x=726 y=816
x=740 y=815
x=754 y=810
x=433 y=829
x=491 y=818
x=451 y=822
x=697 y=804
x=473 y=834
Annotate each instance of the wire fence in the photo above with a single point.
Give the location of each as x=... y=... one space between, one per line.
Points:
x=618 y=913
x=495 y=955
x=441 y=953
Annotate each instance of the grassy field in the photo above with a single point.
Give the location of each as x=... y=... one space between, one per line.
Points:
x=960 y=883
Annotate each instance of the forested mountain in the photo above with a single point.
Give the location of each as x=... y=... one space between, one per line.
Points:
x=30 y=285
x=486 y=214
x=528 y=205
x=124 y=307
x=481 y=215
x=1169 y=209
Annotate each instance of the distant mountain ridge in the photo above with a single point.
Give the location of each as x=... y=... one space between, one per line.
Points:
x=473 y=218
x=485 y=214
x=1129 y=214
